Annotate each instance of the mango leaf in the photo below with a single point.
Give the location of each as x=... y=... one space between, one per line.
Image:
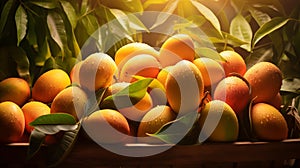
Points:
x=232 y=40
x=42 y=39
x=65 y=63
x=133 y=93
x=175 y=131
x=47 y=4
x=259 y=16
x=54 y=119
x=90 y=22
x=31 y=27
x=208 y=14
x=165 y=13
x=57 y=30
x=93 y=104
x=14 y=62
x=260 y=54
x=84 y=7
x=291 y=85
x=125 y=5
x=21 y=23
x=57 y=153
x=154 y=84
x=53 y=129
x=267 y=28
x=36 y=140
x=20 y=57
x=240 y=28
x=148 y=3
x=136 y=24
x=209 y=53
x=50 y=63
x=5 y=13
x=70 y=12
x=121 y=17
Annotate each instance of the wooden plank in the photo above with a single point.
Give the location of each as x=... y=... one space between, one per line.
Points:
x=238 y=154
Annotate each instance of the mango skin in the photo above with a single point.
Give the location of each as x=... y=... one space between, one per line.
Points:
x=265 y=80
x=184 y=87
x=226 y=129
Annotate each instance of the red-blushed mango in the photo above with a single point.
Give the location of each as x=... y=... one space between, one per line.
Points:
x=33 y=110
x=184 y=87
x=134 y=112
x=265 y=79
x=97 y=71
x=212 y=72
x=276 y=101
x=234 y=63
x=218 y=122
x=235 y=92
x=49 y=84
x=74 y=73
x=107 y=126
x=268 y=123
x=12 y=122
x=141 y=65
x=130 y=50
x=16 y=90
x=71 y=100
x=176 y=48
x=153 y=121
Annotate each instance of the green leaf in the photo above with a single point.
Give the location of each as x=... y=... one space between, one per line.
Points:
x=49 y=64
x=92 y=103
x=21 y=59
x=259 y=16
x=44 y=52
x=14 y=58
x=121 y=17
x=125 y=5
x=209 y=53
x=36 y=140
x=261 y=54
x=208 y=14
x=165 y=13
x=174 y=131
x=53 y=129
x=154 y=84
x=291 y=85
x=267 y=28
x=90 y=22
x=70 y=12
x=65 y=63
x=58 y=153
x=232 y=40
x=21 y=23
x=148 y=3
x=57 y=30
x=134 y=92
x=54 y=119
x=47 y=4
x=5 y=13
x=31 y=33
x=241 y=29
x=136 y=24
